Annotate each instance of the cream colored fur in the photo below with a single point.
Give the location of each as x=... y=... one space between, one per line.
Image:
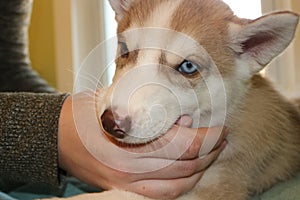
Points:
x=264 y=127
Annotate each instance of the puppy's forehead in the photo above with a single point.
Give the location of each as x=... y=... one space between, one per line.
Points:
x=206 y=21
x=176 y=14
x=162 y=14
x=145 y=13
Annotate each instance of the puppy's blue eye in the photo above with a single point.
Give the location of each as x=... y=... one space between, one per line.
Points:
x=188 y=67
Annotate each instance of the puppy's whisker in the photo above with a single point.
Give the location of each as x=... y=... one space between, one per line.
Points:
x=90 y=78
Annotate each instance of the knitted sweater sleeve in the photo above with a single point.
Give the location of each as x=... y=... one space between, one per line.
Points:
x=28 y=137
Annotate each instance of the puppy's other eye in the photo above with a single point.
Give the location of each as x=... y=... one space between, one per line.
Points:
x=188 y=67
x=124 y=50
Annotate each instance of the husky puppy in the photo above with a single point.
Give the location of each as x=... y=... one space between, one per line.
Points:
x=196 y=58
x=224 y=59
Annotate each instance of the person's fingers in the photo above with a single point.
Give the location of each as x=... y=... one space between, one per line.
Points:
x=178 y=142
x=172 y=188
x=170 y=145
x=222 y=137
x=194 y=148
x=165 y=189
x=213 y=138
x=182 y=168
x=207 y=160
x=178 y=169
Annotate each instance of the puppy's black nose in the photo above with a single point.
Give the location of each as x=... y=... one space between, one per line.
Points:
x=115 y=125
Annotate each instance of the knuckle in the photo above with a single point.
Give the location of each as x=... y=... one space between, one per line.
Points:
x=192 y=151
x=187 y=168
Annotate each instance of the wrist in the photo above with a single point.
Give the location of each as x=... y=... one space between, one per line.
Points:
x=65 y=129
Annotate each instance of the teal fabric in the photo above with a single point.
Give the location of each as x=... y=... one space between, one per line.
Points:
x=33 y=191
x=289 y=190
x=26 y=193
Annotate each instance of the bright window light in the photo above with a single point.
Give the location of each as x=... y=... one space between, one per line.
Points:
x=249 y=9
x=110 y=23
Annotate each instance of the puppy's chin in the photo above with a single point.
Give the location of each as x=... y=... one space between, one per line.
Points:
x=132 y=140
x=144 y=135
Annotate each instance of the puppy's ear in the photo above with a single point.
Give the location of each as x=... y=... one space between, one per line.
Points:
x=120 y=7
x=263 y=39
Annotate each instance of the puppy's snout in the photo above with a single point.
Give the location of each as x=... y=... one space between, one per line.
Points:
x=115 y=125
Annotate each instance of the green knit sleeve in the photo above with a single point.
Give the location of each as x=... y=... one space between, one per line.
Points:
x=28 y=137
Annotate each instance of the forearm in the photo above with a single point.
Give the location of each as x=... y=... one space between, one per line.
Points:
x=28 y=137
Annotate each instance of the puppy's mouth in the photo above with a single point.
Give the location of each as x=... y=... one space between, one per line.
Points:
x=120 y=128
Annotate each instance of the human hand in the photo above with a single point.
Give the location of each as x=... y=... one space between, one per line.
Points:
x=156 y=170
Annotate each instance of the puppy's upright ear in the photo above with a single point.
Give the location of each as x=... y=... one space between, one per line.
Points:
x=260 y=40
x=120 y=7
